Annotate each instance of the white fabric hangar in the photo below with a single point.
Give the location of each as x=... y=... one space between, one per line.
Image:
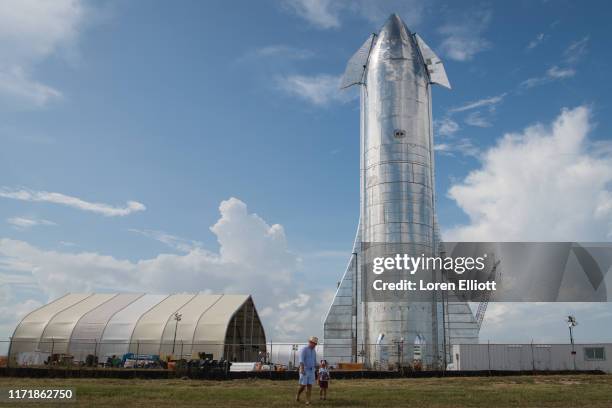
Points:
x=104 y=325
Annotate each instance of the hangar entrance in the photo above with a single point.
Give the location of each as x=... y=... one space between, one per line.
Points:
x=245 y=339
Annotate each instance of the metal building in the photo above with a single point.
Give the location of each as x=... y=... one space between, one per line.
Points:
x=532 y=357
x=395 y=70
x=79 y=324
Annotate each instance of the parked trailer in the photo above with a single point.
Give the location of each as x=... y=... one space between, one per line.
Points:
x=536 y=357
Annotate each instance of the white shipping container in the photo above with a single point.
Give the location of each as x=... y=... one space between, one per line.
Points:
x=526 y=357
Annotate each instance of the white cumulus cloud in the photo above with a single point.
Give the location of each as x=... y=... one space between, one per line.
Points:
x=11 y=310
x=253 y=258
x=544 y=183
x=30 y=32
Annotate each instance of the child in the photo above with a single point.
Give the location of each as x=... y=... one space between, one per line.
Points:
x=323 y=380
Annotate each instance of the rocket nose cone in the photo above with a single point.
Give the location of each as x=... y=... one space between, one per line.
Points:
x=394 y=28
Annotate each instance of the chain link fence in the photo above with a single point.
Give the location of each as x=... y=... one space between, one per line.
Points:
x=284 y=356
x=144 y=354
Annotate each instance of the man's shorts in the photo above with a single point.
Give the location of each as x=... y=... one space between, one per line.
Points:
x=308 y=378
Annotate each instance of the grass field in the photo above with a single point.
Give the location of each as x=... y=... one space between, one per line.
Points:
x=527 y=391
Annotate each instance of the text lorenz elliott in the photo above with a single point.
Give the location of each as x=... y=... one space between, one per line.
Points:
x=460 y=285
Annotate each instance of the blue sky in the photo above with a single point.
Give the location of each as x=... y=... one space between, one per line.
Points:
x=180 y=106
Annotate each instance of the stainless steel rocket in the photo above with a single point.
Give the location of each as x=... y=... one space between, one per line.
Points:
x=394 y=69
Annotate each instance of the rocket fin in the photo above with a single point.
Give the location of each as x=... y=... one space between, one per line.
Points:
x=355 y=68
x=338 y=323
x=461 y=324
x=437 y=73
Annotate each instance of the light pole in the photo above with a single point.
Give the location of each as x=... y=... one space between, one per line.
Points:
x=571 y=323
x=294 y=348
x=400 y=353
x=177 y=318
x=355 y=307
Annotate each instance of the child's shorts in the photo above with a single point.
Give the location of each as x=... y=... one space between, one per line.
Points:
x=323 y=384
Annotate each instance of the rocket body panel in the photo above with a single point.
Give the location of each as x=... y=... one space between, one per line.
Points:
x=397 y=203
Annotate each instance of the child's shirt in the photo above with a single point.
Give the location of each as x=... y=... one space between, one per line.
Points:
x=323 y=374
